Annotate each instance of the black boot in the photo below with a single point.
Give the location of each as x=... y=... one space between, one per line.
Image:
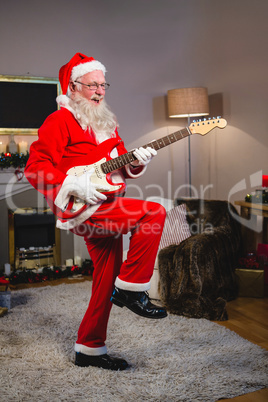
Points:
x=104 y=361
x=138 y=302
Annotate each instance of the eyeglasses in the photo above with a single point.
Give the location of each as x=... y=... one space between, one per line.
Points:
x=94 y=86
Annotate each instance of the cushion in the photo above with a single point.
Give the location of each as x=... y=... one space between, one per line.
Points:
x=176 y=228
x=167 y=203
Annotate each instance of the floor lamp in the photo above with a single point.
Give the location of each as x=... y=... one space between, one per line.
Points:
x=188 y=102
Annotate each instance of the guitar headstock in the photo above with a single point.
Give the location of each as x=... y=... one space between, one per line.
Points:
x=206 y=125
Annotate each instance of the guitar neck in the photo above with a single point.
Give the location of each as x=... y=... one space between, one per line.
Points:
x=122 y=160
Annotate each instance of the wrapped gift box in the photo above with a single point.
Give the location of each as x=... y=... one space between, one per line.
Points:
x=251 y=282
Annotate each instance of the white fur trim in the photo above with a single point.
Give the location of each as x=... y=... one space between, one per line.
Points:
x=131 y=172
x=134 y=287
x=63 y=101
x=84 y=68
x=90 y=351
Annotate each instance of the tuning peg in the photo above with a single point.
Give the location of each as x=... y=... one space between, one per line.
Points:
x=218 y=117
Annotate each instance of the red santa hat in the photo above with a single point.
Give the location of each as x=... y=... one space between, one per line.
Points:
x=78 y=66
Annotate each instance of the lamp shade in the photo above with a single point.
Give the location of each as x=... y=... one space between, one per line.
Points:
x=188 y=102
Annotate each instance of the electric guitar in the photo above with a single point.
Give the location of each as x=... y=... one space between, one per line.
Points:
x=105 y=166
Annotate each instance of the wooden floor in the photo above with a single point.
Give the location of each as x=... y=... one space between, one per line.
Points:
x=248 y=318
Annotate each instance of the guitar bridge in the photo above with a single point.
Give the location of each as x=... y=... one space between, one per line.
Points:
x=98 y=171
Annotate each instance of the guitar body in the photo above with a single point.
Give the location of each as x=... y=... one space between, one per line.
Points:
x=98 y=177
x=103 y=181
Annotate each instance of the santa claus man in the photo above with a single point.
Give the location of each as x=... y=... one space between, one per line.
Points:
x=82 y=132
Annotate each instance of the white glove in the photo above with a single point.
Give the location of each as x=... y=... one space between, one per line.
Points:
x=143 y=155
x=81 y=187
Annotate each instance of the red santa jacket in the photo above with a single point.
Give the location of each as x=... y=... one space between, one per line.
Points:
x=63 y=144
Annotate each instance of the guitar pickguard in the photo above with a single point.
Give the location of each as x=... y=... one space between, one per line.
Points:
x=98 y=177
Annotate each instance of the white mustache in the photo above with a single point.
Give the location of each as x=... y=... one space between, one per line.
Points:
x=97 y=97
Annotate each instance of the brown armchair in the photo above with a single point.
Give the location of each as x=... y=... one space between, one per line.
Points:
x=197 y=277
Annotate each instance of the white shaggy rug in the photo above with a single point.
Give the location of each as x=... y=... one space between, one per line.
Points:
x=174 y=359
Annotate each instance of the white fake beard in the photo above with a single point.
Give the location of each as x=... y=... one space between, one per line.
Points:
x=98 y=117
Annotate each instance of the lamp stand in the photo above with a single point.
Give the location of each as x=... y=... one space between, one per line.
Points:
x=186 y=102
x=189 y=160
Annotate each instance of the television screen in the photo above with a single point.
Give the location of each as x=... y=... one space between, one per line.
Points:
x=25 y=104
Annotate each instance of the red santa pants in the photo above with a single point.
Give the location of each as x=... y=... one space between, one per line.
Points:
x=103 y=236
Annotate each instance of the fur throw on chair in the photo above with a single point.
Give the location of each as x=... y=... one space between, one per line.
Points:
x=197 y=277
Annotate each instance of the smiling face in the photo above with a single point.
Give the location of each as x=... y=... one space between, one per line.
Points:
x=94 y=96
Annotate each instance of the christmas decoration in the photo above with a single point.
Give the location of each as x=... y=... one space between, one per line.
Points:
x=4 y=281
x=15 y=160
x=19 y=174
x=4 y=284
x=258 y=197
x=265 y=181
x=250 y=261
x=50 y=273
